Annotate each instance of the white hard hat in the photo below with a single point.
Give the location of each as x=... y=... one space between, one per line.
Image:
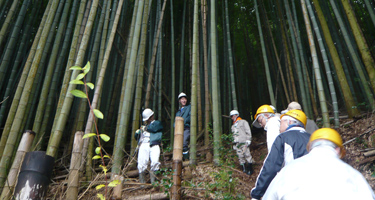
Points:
x=234 y=112
x=181 y=95
x=147 y=113
x=294 y=106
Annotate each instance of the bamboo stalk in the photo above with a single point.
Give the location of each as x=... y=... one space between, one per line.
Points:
x=23 y=148
x=75 y=162
x=177 y=158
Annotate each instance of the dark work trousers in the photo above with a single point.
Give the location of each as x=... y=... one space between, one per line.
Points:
x=186 y=139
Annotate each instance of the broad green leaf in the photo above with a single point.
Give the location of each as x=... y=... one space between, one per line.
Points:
x=86 y=69
x=78 y=82
x=78 y=93
x=114 y=183
x=106 y=156
x=97 y=150
x=80 y=76
x=98 y=187
x=98 y=114
x=87 y=135
x=96 y=157
x=76 y=68
x=90 y=85
x=105 y=137
x=100 y=196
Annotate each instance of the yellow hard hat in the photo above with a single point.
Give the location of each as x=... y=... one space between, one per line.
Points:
x=264 y=109
x=296 y=114
x=327 y=134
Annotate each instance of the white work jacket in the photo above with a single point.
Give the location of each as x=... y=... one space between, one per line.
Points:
x=273 y=130
x=319 y=175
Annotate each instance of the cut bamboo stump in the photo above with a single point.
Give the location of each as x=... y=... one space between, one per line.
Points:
x=73 y=180
x=177 y=158
x=23 y=148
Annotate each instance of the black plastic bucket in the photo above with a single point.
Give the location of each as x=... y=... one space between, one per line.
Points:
x=34 y=176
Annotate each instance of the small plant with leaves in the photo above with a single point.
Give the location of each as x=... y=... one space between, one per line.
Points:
x=80 y=80
x=224 y=185
x=166 y=181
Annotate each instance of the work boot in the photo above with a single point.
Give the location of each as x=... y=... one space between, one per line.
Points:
x=249 y=168
x=153 y=176
x=244 y=168
x=142 y=177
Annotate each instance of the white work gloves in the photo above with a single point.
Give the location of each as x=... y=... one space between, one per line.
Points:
x=143 y=128
x=247 y=142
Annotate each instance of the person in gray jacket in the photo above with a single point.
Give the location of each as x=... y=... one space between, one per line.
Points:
x=184 y=112
x=242 y=140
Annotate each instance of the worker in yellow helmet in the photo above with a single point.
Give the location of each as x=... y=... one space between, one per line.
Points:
x=320 y=174
x=310 y=124
x=265 y=118
x=289 y=145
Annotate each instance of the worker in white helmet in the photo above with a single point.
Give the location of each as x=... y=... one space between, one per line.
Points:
x=320 y=174
x=265 y=118
x=184 y=112
x=310 y=125
x=149 y=137
x=242 y=140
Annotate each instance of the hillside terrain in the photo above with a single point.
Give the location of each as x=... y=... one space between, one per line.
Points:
x=227 y=181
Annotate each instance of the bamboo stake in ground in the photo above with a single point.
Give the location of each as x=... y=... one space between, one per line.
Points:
x=177 y=158
x=73 y=180
x=24 y=146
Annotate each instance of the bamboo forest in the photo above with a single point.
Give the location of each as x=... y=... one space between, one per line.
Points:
x=80 y=79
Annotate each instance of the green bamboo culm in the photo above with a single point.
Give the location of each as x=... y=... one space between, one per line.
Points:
x=56 y=135
x=322 y=99
x=297 y=56
x=265 y=59
x=138 y=93
x=12 y=42
x=348 y=96
x=10 y=146
x=173 y=71
x=125 y=116
x=356 y=60
x=363 y=47
x=100 y=79
x=231 y=67
x=325 y=61
x=194 y=106
x=182 y=54
x=7 y=22
x=215 y=88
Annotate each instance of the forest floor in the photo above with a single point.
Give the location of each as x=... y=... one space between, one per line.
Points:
x=227 y=181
